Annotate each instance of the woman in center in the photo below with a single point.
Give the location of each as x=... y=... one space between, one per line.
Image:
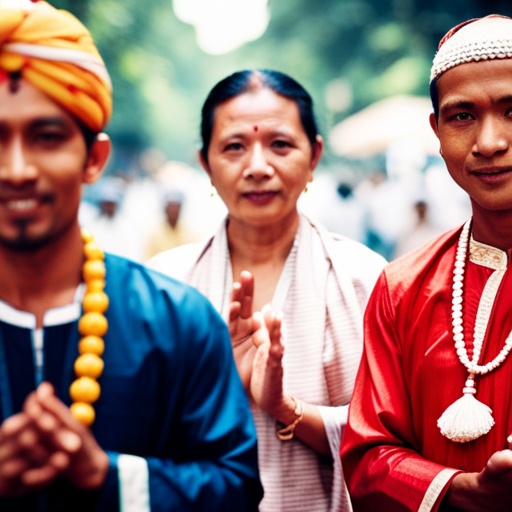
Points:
x=292 y=294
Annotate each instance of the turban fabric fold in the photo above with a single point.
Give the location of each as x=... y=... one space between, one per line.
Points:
x=53 y=51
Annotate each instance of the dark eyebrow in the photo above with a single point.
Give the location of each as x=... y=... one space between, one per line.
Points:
x=456 y=105
x=234 y=135
x=505 y=99
x=282 y=131
x=45 y=122
x=470 y=105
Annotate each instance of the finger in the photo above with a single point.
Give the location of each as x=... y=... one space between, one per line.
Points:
x=43 y=407
x=37 y=478
x=66 y=440
x=260 y=332
x=52 y=404
x=31 y=446
x=247 y=293
x=26 y=444
x=10 y=450
x=59 y=460
x=28 y=439
x=9 y=432
x=500 y=462
x=247 y=282
x=45 y=389
x=274 y=330
x=273 y=324
x=234 y=311
x=67 y=435
x=236 y=292
x=268 y=315
x=14 y=468
x=14 y=425
x=43 y=420
x=261 y=356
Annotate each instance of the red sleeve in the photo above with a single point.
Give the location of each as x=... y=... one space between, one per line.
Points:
x=381 y=463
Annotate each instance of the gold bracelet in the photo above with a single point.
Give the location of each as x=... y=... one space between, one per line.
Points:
x=286 y=433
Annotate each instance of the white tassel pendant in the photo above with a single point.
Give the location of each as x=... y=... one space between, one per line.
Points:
x=466 y=419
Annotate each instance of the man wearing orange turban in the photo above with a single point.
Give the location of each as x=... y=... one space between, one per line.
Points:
x=118 y=389
x=52 y=50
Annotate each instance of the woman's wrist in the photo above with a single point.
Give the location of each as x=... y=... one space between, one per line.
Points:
x=286 y=413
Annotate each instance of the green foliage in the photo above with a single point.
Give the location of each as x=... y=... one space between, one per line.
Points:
x=161 y=77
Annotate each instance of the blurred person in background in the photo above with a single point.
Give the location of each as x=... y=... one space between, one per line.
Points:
x=171 y=232
x=333 y=204
x=293 y=294
x=418 y=233
x=112 y=229
x=170 y=428
x=430 y=422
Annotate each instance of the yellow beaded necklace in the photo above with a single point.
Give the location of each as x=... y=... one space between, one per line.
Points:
x=93 y=325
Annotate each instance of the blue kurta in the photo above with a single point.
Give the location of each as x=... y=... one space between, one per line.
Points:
x=170 y=394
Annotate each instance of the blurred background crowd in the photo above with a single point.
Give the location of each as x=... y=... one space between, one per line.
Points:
x=365 y=62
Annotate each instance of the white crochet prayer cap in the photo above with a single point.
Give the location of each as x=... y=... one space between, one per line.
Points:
x=483 y=39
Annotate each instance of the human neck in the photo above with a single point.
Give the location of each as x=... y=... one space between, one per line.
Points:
x=493 y=228
x=263 y=252
x=255 y=245
x=45 y=278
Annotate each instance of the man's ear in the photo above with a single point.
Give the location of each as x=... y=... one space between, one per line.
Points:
x=433 y=124
x=97 y=158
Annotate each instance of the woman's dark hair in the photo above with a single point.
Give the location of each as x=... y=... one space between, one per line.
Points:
x=244 y=81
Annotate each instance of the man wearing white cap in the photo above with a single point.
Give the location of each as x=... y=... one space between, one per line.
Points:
x=431 y=418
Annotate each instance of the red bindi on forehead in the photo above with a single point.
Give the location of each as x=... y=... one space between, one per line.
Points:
x=255 y=128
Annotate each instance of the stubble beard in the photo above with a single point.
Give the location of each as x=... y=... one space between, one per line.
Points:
x=23 y=243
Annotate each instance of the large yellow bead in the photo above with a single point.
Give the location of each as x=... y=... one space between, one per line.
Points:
x=91 y=345
x=89 y=365
x=83 y=412
x=96 y=285
x=85 y=389
x=95 y=301
x=92 y=251
x=94 y=269
x=87 y=236
x=93 y=324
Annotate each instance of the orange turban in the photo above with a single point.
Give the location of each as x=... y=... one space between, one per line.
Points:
x=52 y=50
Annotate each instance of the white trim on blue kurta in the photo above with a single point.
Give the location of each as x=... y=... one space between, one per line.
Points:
x=66 y=314
x=56 y=316
x=133 y=484
x=13 y=316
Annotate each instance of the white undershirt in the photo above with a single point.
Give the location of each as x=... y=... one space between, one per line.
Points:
x=56 y=316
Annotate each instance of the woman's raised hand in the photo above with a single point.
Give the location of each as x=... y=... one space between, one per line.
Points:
x=258 y=351
x=242 y=326
x=267 y=375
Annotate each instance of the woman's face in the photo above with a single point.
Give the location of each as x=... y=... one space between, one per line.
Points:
x=260 y=158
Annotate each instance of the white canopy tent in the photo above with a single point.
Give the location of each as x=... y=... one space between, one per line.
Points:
x=373 y=130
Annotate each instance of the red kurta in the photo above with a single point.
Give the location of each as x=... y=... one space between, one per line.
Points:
x=410 y=373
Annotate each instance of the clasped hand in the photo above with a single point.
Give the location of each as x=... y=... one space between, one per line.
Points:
x=487 y=491
x=44 y=442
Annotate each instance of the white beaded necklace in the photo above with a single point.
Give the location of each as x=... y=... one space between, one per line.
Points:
x=467 y=418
